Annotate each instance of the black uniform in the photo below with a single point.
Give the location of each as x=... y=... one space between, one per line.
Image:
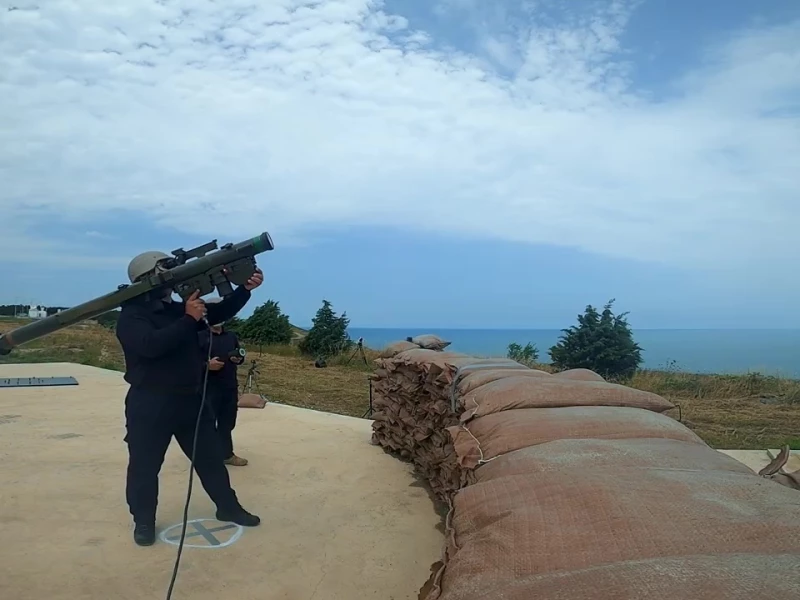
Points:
x=223 y=386
x=164 y=368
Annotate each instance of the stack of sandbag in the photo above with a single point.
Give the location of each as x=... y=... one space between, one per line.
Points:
x=624 y=518
x=567 y=486
x=419 y=395
x=576 y=488
x=412 y=403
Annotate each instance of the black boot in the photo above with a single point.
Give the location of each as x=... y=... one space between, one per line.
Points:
x=144 y=534
x=239 y=516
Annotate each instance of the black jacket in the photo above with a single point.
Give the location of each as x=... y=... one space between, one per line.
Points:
x=159 y=341
x=222 y=345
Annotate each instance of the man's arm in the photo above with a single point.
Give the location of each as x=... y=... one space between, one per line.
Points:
x=229 y=307
x=137 y=334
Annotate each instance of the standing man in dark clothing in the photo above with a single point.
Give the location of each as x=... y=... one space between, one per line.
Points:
x=223 y=385
x=164 y=368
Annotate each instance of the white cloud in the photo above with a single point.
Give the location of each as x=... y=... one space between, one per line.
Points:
x=26 y=246
x=99 y=235
x=224 y=119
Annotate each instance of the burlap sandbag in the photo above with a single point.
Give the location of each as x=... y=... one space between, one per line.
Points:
x=538 y=392
x=423 y=359
x=512 y=528
x=500 y=433
x=753 y=576
x=442 y=367
x=396 y=348
x=430 y=342
x=251 y=401
x=476 y=379
x=579 y=375
x=591 y=455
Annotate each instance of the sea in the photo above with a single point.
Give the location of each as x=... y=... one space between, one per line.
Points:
x=724 y=351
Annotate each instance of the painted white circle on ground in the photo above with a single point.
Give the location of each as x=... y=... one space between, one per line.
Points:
x=203 y=533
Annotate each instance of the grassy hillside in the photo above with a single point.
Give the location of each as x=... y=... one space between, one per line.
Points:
x=748 y=411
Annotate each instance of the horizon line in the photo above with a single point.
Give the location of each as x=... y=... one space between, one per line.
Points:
x=562 y=328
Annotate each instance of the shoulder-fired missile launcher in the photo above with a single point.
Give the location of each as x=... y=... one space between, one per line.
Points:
x=201 y=269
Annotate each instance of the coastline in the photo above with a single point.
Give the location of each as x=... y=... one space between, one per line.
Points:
x=697 y=351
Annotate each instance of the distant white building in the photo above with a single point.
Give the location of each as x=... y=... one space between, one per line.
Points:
x=37 y=312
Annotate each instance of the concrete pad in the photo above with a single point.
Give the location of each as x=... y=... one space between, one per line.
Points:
x=758 y=459
x=340 y=519
x=754 y=459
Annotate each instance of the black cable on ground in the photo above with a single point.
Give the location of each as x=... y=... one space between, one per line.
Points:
x=191 y=479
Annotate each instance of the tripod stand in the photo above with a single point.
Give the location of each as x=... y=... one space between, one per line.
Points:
x=247 y=388
x=369 y=411
x=359 y=350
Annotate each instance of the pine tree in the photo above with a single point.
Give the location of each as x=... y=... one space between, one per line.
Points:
x=328 y=335
x=600 y=342
x=267 y=325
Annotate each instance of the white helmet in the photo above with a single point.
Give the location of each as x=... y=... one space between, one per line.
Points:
x=144 y=263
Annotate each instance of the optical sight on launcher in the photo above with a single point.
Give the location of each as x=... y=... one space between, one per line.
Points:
x=202 y=269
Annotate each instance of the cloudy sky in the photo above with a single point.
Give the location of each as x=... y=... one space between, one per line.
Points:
x=450 y=163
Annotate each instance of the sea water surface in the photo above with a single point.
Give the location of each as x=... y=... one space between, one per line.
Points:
x=768 y=351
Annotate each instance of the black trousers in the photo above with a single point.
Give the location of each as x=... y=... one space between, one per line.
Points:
x=151 y=421
x=225 y=404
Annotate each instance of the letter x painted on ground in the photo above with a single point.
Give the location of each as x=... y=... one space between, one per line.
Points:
x=206 y=533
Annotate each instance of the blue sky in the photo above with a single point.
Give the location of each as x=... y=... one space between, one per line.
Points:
x=448 y=163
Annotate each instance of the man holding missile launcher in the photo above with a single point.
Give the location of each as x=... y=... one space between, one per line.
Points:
x=164 y=367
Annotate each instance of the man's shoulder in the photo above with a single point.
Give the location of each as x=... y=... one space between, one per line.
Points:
x=130 y=309
x=142 y=307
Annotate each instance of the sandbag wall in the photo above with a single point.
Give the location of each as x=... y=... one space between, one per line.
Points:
x=567 y=486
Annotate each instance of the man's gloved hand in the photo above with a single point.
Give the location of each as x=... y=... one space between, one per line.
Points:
x=215 y=364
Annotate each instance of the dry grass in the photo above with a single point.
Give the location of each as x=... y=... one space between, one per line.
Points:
x=749 y=411
x=731 y=411
x=296 y=381
x=86 y=343
x=284 y=376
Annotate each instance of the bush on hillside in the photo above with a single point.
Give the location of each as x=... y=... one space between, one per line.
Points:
x=602 y=342
x=328 y=336
x=529 y=355
x=267 y=325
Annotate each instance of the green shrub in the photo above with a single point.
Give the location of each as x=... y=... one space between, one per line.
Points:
x=602 y=342
x=267 y=325
x=328 y=336
x=529 y=355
